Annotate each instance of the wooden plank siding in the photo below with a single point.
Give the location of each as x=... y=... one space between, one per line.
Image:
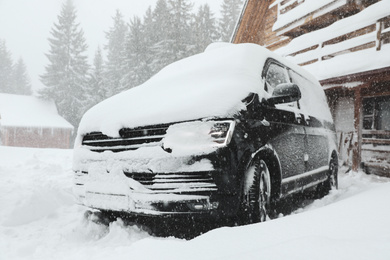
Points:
x=369 y=149
x=36 y=137
x=256 y=25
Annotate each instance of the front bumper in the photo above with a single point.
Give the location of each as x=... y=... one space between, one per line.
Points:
x=151 y=204
x=164 y=186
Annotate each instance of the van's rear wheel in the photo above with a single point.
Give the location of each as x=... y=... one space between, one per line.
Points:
x=332 y=180
x=257 y=192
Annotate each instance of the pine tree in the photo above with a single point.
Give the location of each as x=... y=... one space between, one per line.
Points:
x=66 y=74
x=115 y=65
x=162 y=45
x=96 y=91
x=230 y=10
x=21 y=81
x=6 y=69
x=150 y=39
x=136 y=55
x=204 y=28
x=180 y=33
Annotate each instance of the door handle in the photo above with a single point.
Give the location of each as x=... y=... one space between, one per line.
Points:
x=264 y=122
x=298 y=118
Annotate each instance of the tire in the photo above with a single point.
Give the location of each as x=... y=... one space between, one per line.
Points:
x=333 y=174
x=100 y=217
x=331 y=182
x=257 y=193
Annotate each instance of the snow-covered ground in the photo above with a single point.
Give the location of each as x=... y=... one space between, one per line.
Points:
x=39 y=220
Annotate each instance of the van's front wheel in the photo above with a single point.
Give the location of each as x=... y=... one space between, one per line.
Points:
x=257 y=192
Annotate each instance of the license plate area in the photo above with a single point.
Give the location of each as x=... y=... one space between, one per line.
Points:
x=117 y=202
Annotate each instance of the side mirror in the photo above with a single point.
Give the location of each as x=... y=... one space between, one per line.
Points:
x=285 y=93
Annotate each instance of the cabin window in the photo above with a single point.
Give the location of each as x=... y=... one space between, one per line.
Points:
x=376 y=113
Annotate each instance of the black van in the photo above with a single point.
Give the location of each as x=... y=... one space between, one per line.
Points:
x=228 y=132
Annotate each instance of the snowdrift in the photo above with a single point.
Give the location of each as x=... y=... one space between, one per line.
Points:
x=39 y=220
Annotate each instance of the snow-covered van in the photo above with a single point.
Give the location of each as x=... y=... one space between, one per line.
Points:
x=228 y=132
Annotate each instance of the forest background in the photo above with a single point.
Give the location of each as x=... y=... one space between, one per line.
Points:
x=134 y=51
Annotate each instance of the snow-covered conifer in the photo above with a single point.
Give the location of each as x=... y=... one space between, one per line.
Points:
x=136 y=55
x=204 y=28
x=96 y=90
x=149 y=35
x=116 y=37
x=66 y=74
x=6 y=68
x=161 y=48
x=180 y=33
x=230 y=10
x=21 y=81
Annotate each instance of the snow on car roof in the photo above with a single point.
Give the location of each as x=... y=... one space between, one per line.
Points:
x=29 y=111
x=210 y=84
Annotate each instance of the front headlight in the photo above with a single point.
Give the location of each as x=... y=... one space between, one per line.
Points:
x=222 y=132
x=198 y=136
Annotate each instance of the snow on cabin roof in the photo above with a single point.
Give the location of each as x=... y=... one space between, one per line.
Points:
x=29 y=111
x=348 y=63
x=303 y=10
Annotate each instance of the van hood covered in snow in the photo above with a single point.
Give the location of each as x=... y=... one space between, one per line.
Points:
x=210 y=84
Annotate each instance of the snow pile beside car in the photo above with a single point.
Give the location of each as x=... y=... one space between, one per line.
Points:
x=39 y=220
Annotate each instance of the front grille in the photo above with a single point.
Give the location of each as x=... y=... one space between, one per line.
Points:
x=130 y=139
x=180 y=183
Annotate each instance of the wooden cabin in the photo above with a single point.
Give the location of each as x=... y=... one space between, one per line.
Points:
x=27 y=121
x=345 y=44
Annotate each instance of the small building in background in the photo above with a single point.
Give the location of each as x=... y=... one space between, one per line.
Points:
x=345 y=44
x=27 y=121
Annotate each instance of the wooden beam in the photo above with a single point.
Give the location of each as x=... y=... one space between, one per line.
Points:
x=376 y=141
x=376 y=75
x=357 y=145
x=379 y=28
x=376 y=132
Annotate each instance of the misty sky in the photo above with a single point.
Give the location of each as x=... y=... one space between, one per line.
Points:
x=25 y=25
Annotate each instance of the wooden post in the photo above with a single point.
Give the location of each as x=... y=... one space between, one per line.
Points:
x=357 y=143
x=5 y=136
x=378 y=40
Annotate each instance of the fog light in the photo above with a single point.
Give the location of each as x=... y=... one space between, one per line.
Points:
x=199 y=207
x=202 y=205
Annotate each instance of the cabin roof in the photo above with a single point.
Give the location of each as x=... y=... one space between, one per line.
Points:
x=29 y=111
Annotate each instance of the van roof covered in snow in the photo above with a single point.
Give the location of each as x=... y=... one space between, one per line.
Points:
x=210 y=84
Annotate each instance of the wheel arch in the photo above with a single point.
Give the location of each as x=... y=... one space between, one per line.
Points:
x=271 y=158
x=334 y=155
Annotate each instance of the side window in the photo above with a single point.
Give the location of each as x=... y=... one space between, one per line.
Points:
x=275 y=75
x=305 y=87
x=313 y=101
